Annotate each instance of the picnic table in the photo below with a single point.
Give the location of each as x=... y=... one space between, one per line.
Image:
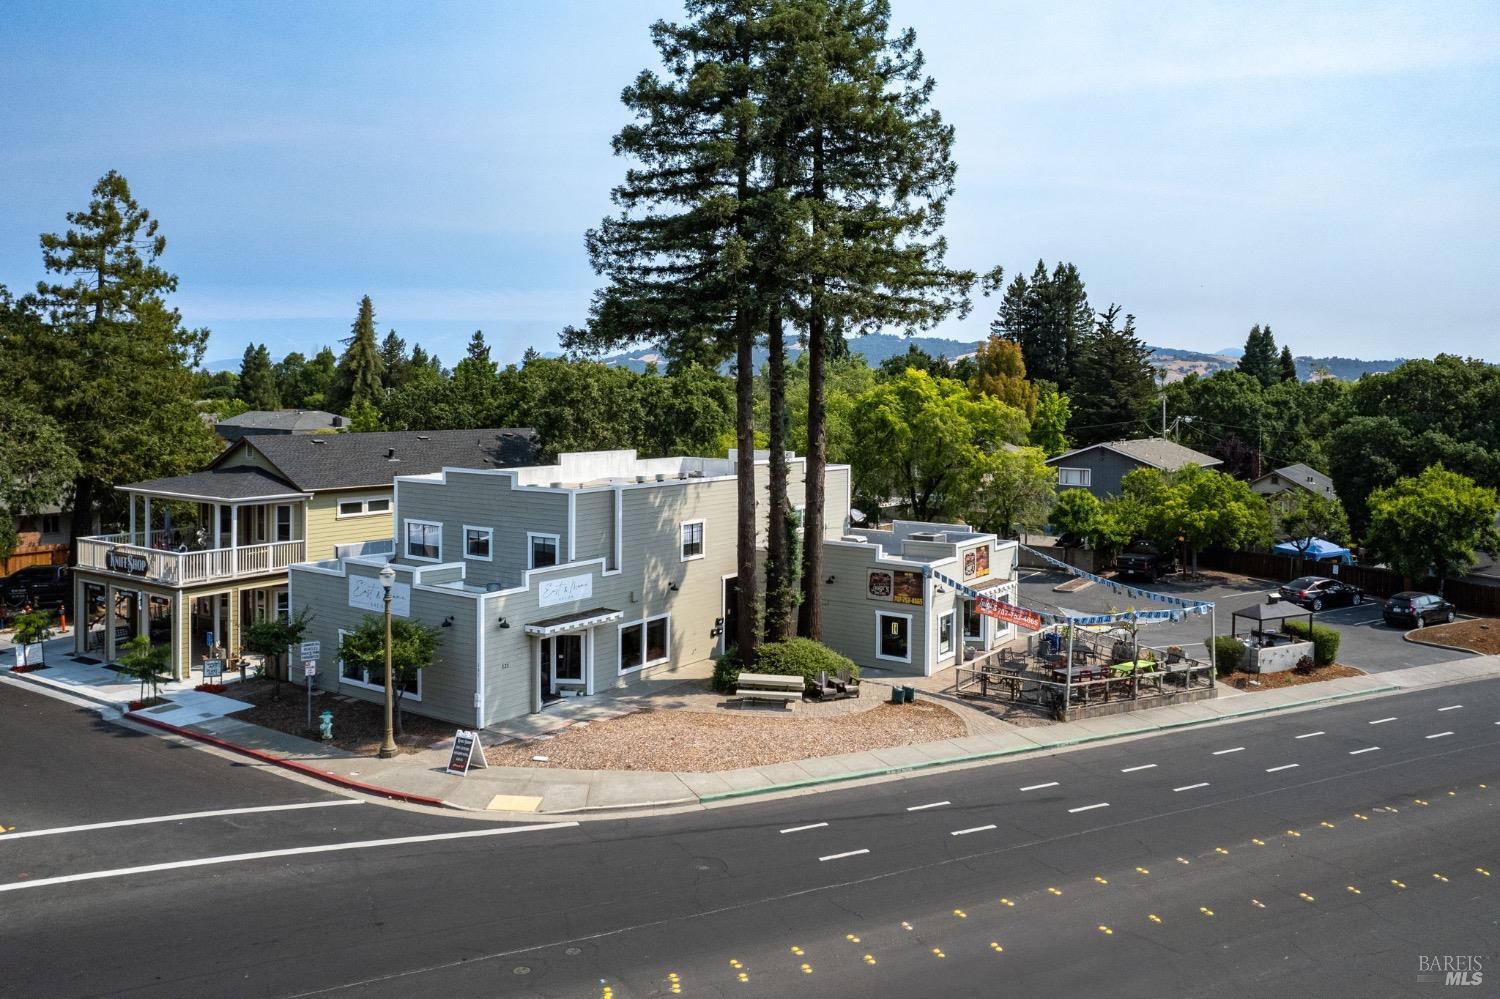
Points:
x=1126 y=668
x=769 y=687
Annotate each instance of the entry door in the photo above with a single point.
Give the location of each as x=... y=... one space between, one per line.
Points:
x=567 y=661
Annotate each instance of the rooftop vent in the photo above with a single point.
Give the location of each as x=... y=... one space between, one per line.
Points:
x=661 y=476
x=923 y=536
x=640 y=478
x=682 y=475
x=423 y=437
x=390 y=454
x=556 y=485
x=696 y=474
x=319 y=440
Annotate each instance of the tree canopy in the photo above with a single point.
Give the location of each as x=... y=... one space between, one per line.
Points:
x=1432 y=523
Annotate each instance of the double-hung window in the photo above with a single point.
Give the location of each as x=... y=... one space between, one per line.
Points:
x=692 y=540
x=424 y=540
x=283 y=522
x=645 y=643
x=543 y=550
x=477 y=542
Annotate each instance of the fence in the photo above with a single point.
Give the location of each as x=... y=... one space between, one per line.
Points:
x=1468 y=596
x=39 y=555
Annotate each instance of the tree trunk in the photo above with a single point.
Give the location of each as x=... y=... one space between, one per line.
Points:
x=83 y=515
x=745 y=472
x=778 y=544
x=810 y=618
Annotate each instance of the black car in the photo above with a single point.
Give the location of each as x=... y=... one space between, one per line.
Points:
x=1418 y=609
x=1142 y=558
x=1318 y=592
x=44 y=587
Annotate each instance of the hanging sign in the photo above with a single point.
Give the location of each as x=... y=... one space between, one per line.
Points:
x=1002 y=611
x=467 y=753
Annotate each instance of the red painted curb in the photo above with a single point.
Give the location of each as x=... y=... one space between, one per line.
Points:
x=301 y=768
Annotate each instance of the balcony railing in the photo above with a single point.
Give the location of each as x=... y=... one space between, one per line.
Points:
x=115 y=554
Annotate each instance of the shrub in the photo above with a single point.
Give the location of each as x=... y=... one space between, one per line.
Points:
x=1229 y=653
x=1325 y=640
x=1305 y=665
x=794 y=657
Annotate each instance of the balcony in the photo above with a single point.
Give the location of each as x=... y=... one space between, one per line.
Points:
x=156 y=563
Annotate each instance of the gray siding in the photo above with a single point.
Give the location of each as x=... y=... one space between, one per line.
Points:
x=1107 y=469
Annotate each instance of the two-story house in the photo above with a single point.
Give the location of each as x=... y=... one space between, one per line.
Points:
x=205 y=553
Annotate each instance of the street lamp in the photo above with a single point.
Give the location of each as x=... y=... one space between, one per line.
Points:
x=388 y=743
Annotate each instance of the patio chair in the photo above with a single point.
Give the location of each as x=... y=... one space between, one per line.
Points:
x=847 y=685
x=825 y=687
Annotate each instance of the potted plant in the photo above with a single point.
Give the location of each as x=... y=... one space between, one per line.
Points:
x=31 y=628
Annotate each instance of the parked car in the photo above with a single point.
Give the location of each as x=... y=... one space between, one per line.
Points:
x=44 y=587
x=1142 y=558
x=1318 y=592
x=1418 y=609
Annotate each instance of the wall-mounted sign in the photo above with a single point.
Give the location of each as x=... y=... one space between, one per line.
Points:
x=561 y=591
x=130 y=563
x=977 y=563
x=366 y=593
x=901 y=586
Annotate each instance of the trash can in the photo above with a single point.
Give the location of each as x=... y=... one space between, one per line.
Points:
x=897 y=696
x=909 y=694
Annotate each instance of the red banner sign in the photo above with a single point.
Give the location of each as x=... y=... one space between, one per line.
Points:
x=1000 y=610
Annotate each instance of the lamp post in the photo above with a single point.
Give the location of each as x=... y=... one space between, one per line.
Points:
x=388 y=742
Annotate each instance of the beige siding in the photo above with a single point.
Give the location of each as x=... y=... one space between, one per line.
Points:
x=325 y=528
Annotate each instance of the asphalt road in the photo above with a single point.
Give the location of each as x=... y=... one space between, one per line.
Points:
x=1321 y=853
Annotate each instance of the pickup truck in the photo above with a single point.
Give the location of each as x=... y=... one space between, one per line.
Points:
x=1142 y=558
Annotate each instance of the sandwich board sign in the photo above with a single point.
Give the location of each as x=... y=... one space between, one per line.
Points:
x=467 y=753
x=213 y=669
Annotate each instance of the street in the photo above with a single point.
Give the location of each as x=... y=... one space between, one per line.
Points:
x=1311 y=853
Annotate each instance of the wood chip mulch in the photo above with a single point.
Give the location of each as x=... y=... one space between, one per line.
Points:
x=1481 y=635
x=1288 y=678
x=357 y=725
x=699 y=742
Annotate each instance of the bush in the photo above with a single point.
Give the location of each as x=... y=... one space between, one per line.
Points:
x=794 y=657
x=1325 y=640
x=1229 y=653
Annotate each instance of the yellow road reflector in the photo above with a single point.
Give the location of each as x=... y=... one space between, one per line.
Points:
x=1481 y=870
x=995 y=946
x=1205 y=910
x=1362 y=818
x=1183 y=860
x=1419 y=801
x=1007 y=902
x=851 y=938
x=1220 y=849
x=1055 y=891
x=744 y=977
x=905 y=925
x=1326 y=825
x=1142 y=870
x=1452 y=794
x=1294 y=834
x=938 y=951
x=1257 y=903
x=1439 y=877
x=1304 y=896
x=1153 y=917
x=807 y=969
x=734 y=963
x=1102 y=881
x=1354 y=890
x=798 y=951
x=1106 y=930
x=1257 y=842
x=1398 y=884
x=869 y=959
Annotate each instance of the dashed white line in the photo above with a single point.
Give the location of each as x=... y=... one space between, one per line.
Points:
x=1088 y=808
x=1451 y=707
x=59 y=830
x=930 y=804
x=1191 y=787
x=1367 y=749
x=1236 y=749
x=841 y=856
x=975 y=829
x=1438 y=735
x=1284 y=766
x=1382 y=721
x=1309 y=735
x=815 y=825
x=1148 y=766
x=1038 y=787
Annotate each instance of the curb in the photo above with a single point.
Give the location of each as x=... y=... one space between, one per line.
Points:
x=301 y=768
x=1018 y=750
x=1435 y=645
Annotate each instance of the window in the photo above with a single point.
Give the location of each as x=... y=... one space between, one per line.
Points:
x=893 y=637
x=51 y=523
x=543 y=549
x=364 y=507
x=645 y=643
x=351 y=508
x=284 y=605
x=477 y=542
x=351 y=674
x=692 y=540
x=973 y=621
x=283 y=522
x=378 y=506
x=424 y=540
x=1075 y=477
x=945 y=633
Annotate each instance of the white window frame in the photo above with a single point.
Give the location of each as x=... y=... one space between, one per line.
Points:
x=364 y=507
x=880 y=617
x=365 y=683
x=531 y=537
x=377 y=499
x=702 y=540
x=644 y=624
x=1085 y=476
x=489 y=539
x=291 y=523
x=283 y=604
x=952 y=618
x=406 y=526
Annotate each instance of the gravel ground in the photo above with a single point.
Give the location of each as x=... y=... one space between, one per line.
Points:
x=700 y=742
x=1482 y=635
x=1290 y=677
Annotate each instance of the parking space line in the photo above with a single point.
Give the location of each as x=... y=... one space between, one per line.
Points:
x=1309 y=735
x=1367 y=749
x=974 y=829
x=1148 y=766
x=1088 y=808
x=1451 y=707
x=1236 y=749
x=1438 y=735
x=1284 y=766
x=1382 y=721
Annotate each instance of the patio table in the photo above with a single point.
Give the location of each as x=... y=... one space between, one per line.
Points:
x=1126 y=668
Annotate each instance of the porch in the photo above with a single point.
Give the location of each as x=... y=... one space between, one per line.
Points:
x=165 y=557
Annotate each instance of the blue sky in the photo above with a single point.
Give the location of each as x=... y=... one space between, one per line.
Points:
x=1332 y=169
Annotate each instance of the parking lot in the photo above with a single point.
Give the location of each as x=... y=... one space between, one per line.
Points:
x=1367 y=642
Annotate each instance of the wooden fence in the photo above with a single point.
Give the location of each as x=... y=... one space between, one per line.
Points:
x=1469 y=596
x=38 y=555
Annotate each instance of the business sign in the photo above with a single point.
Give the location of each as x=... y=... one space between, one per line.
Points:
x=130 y=563
x=467 y=753
x=213 y=669
x=366 y=593
x=565 y=590
x=901 y=586
x=977 y=563
x=1002 y=611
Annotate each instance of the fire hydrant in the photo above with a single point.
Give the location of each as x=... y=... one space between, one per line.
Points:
x=325 y=726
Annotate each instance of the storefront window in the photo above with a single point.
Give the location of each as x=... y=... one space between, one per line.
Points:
x=894 y=638
x=159 y=620
x=96 y=618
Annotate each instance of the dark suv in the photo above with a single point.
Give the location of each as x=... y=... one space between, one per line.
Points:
x=1142 y=558
x=1317 y=592
x=1417 y=609
x=44 y=587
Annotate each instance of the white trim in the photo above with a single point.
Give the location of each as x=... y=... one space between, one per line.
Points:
x=702 y=540
x=572 y=524
x=619 y=526
x=1087 y=476
x=724 y=612
x=489 y=533
x=366 y=684
x=364 y=508
x=644 y=624
x=879 y=616
x=479 y=664
x=556 y=539
x=406 y=536
x=953 y=625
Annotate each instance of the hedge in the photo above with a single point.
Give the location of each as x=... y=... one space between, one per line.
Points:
x=1325 y=640
x=794 y=657
x=1229 y=653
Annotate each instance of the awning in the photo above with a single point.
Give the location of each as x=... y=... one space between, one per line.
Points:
x=577 y=621
x=989 y=584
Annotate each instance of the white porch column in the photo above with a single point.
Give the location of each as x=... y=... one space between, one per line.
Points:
x=131 y=501
x=218 y=531
x=234 y=539
x=147 y=541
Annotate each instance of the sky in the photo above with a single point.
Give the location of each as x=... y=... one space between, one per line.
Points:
x=1332 y=169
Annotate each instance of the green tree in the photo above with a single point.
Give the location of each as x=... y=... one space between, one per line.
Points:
x=113 y=365
x=1432 y=524
x=1049 y=318
x=1203 y=507
x=1001 y=372
x=361 y=372
x=364 y=418
x=258 y=386
x=1114 y=390
x=1259 y=359
x=915 y=359
x=1287 y=365
x=413 y=646
x=36 y=465
x=318 y=380
x=1302 y=516
x=474 y=390
x=1076 y=514
x=144 y=663
x=1049 y=425
x=689 y=411
x=395 y=363
x=1016 y=491
x=272 y=637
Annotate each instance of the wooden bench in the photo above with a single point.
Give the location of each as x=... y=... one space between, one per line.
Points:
x=769 y=687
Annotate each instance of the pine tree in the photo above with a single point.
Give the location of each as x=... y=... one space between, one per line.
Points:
x=258 y=388
x=360 y=370
x=1114 y=391
x=1049 y=318
x=393 y=357
x=1288 y=365
x=1259 y=360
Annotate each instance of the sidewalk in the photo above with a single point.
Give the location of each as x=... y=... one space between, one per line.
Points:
x=421 y=777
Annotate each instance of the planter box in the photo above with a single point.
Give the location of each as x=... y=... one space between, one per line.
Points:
x=1277 y=658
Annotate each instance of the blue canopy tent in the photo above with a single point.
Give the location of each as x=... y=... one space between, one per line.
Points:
x=1318 y=549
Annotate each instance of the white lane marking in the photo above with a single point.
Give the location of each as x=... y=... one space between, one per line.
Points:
x=1191 y=787
x=930 y=804
x=1038 y=787
x=295 y=851
x=1309 y=735
x=1284 y=766
x=1148 y=766
x=1236 y=749
x=1367 y=749
x=1451 y=707
x=1382 y=721
x=1088 y=808
x=1438 y=735
x=815 y=825
x=975 y=829
x=180 y=817
x=841 y=856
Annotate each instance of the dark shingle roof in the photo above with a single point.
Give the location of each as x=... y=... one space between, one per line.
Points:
x=1306 y=476
x=353 y=461
x=293 y=420
x=238 y=482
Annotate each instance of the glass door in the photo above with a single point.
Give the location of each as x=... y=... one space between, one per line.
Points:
x=567 y=661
